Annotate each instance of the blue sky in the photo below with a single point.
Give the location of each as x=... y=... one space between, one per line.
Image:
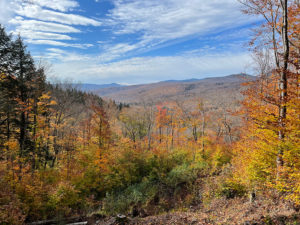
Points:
x=132 y=41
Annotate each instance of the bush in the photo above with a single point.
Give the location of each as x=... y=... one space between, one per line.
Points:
x=11 y=209
x=122 y=201
x=66 y=201
x=219 y=158
x=231 y=189
x=139 y=178
x=181 y=174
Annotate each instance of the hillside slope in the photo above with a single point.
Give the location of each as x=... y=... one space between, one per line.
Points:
x=94 y=87
x=211 y=89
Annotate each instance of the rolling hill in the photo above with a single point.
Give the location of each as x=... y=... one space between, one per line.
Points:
x=215 y=89
x=94 y=87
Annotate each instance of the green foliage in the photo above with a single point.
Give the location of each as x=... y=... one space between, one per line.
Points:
x=134 y=125
x=219 y=158
x=231 y=189
x=179 y=175
x=122 y=201
x=66 y=200
x=139 y=177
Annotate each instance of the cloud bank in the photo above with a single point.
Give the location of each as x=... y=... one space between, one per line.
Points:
x=133 y=41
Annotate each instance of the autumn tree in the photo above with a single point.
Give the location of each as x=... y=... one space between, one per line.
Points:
x=272 y=101
x=135 y=124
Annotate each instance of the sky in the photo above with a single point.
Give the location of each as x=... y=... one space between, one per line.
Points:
x=132 y=41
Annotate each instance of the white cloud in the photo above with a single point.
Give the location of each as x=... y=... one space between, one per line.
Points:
x=152 y=69
x=65 y=56
x=159 y=23
x=42 y=35
x=35 y=25
x=47 y=42
x=61 y=5
x=171 y=19
x=57 y=43
x=6 y=11
x=154 y=24
x=56 y=50
x=47 y=27
x=111 y=52
x=36 y=12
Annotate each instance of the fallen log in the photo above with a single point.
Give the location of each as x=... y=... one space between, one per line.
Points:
x=70 y=220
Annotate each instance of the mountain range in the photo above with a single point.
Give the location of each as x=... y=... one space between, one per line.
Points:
x=94 y=87
x=213 y=89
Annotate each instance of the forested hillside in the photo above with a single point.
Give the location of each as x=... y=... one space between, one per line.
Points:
x=68 y=156
x=215 y=90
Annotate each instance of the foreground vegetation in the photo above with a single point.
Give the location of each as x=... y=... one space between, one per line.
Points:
x=66 y=153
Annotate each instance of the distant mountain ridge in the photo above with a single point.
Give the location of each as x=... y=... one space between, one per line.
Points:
x=177 y=81
x=212 y=88
x=93 y=87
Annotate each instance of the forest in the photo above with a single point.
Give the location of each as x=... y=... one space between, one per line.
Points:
x=67 y=154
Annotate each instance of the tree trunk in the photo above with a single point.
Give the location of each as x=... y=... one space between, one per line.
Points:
x=149 y=136
x=202 y=133
x=283 y=84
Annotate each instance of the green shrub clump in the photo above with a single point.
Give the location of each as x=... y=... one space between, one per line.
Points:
x=231 y=189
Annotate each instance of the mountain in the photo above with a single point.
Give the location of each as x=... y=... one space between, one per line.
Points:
x=180 y=81
x=218 y=89
x=94 y=87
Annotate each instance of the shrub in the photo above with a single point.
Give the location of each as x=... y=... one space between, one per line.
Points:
x=139 y=178
x=122 y=201
x=231 y=189
x=181 y=174
x=11 y=209
x=66 y=200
